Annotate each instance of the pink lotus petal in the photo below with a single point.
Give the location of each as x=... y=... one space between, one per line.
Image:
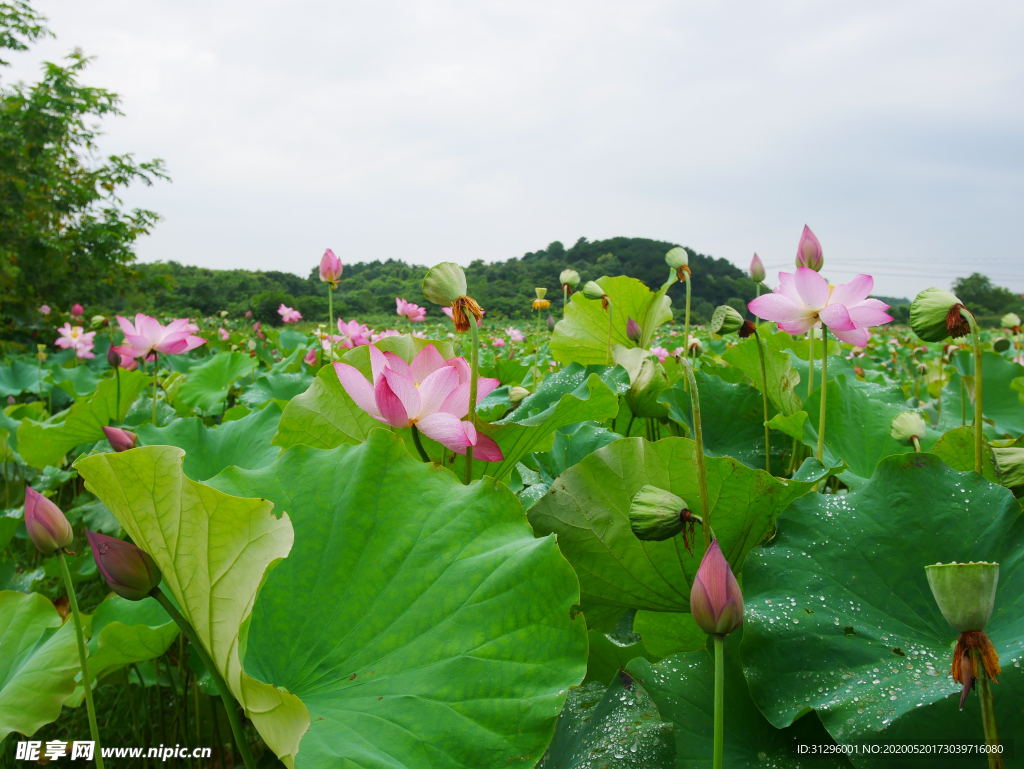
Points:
x=397 y=363
x=460 y=364
x=378 y=362
x=390 y=405
x=426 y=363
x=853 y=292
x=777 y=307
x=485 y=448
x=787 y=287
x=858 y=337
x=406 y=391
x=801 y=326
x=457 y=402
x=700 y=601
x=435 y=389
x=712 y=574
x=125 y=325
x=484 y=387
x=446 y=429
x=813 y=288
x=837 y=318
x=356 y=386
x=865 y=314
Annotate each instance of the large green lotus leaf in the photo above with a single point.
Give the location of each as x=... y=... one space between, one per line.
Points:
x=607 y=655
x=418 y=619
x=683 y=687
x=840 y=618
x=614 y=728
x=324 y=416
x=588 y=508
x=289 y=339
x=46 y=444
x=76 y=382
x=582 y=335
x=570 y=445
x=732 y=420
x=956 y=449
x=780 y=375
x=536 y=407
x=999 y=401
x=208 y=384
x=22 y=376
x=213 y=551
x=38 y=664
x=277 y=385
x=667 y=633
x=244 y=442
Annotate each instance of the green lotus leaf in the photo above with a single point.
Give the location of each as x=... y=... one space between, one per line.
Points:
x=244 y=442
x=208 y=382
x=277 y=385
x=956 y=449
x=588 y=508
x=324 y=416
x=840 y=617
x=607 y=655
x=683 y=687
x=571 y=444
x=289 y=339
x=418 y=619
x=77 y=382
x=21 y=376
x=46 y=444
x=780 y=375
x=667 y=633
x=582 y=335
x=611 y=728
x=213 y=551
x=999 y=401
x=39 y=663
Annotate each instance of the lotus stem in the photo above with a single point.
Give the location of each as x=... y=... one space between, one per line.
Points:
x=963 y=403
x=698 y=438
x=94 y=728
x=611 y=310
x=764 y=398
x=156 y=364
x=230 y=706
x=419 y=444
x=917 y=443
x=330 y=320
x=824 y=392
x=117 y=413
x=810 y=364
x=988 y=716
x=978 y=422
x=474 y=364
x=686 y=322
x=719 y=695
x=565 y=297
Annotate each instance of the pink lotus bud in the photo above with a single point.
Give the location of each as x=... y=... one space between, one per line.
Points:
x=310 y=358
x=715 y=598
x=808 y=252
x=131 y=572
x=47 y=527
x=77 y=309
x=248 y=314
x=113 y=357
x=11 y=400
x=633 y=331
x=330 y=268
x=120 y=440
x=256 y=326
x=757 y=273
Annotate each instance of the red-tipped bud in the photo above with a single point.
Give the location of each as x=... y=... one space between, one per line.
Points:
x=808 y=252
x=757 y=273
x=330 y=268
x=131 y=572
x=120 y=440
x=633 y=331
x=46 y=525
x=715 y=598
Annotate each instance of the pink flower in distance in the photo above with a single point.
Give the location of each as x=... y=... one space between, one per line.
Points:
x=45 y=309
x=715 y=598
x=514 y=334
x=223 y=333
x=808 y=251
x=310 y=359
x=384 y=334
x=76 y=338
x=661 y=352
x=805 y=300
x=330 y=268
x=499 y=342
x=289 y=314
x=77 y=310
x=353 y=333
x=448 y=311
x=413 y=312
x=430 y=392
x=148 y=336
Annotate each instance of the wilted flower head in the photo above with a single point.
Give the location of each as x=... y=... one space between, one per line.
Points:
x=715 y=598
x=517 y=393
x=656 y=514
x=1011 y=321
x=726 y=320
x=120 y=440
x=757 y=273
x=906 y=426
x=130 y=571
x=936 y=314
x=330 y=268
x=808 y=251
x=592 y=290
x=46 y=525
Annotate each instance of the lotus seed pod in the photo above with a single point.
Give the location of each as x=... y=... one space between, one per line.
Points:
x=592 y=290
x=965 y=592
x=569 y=278
x=1002 y=344
x=517 y=393
x=907 y=425
x=656 y=514
x=633 y=331
x=541 y=292
x=1010 y=320
x=444 y=283
x=97 y=321
x=726 y=320
x=677 y=257
x=929 y=312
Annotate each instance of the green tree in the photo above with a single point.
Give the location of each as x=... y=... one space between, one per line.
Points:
x=64 y=234
x=983 y=298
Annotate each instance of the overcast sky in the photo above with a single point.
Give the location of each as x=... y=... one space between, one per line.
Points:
x=432 y=131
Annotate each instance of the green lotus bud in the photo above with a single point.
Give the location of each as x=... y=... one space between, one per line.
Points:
x=444 y=283
x=906 y=426
x=541 y=292
x=922 y=369
x=1002 y=344
x=97 y=321
x=592 y=290
x=656 y=514
x=965 y=592
x=935 y=315
x=677 y=257
x=517 y=393
x=569 y=278
x=725 y=320
x=1010 y=320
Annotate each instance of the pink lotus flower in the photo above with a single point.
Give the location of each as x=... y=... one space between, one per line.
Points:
x=130 y=571
x=715 y=598
x=805 y=300
x=661 y=352
x=45 y=309
x=77 y=310
x=757 y=273
x=353 y=333
x=499 y=342
x=330 y=268
x=384 y=334
x=413 y=312
x=46 y=525
x=678 y=351
x=224 y=335
x=310 y=358
x=430 y=392
x=288 y=314
x=514 y=334
x=248 y=314
x=808 y=251
x=76 y=338
x=147 y=336
x=120 y=440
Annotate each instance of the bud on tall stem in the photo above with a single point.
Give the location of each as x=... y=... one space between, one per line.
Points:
x=698 y=439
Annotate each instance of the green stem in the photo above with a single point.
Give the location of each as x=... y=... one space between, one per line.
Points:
x=917 y=443
x=474 y=369
x=629 y=427
x=698 y=438
x=611 y=309
x=565 y=297
x=978 y=423
x=156 y=362
x=330 y=319
x=230 y=706
x=719 y=698
x=810 y=362
x=757 y=289
x=94 y=729
x=117 y=414
x=764 y=397
x=824 y=392
x=988 y=716
x=419 y=445
x=686 y=325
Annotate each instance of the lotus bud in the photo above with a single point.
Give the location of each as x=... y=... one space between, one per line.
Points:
x=444 y=283
x=569 y=278
x=715 y=598
x=922 y=369
x=223 y=313
x=1011 y=321
x=808 y=251
x=906 y=426
x=1002 y=344
x=592 y=290
x=936 y=314
x=248 y=314
x=330 y=268
x=517 y=393
x=77 y=310
x=120 y=440
x=757 y=273
x=656 y=514
x=11 y=400
x=113 y=357
x=541 y=292
x=46 y=525
x=131 y=572
x=551 y=323
x=633 y=331
x=725 y=320
x=97 y=321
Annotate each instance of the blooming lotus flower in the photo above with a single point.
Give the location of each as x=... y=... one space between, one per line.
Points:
x=120 y=440
x=499 y=342
x=430 y=392
x=289 y=314
x=310 y=357
x=147 y=336
x=715 y=598
x=130 y=571
x=353 y=333
x=45 y=309
x=808 y=251
x=661 y=352
x=514 y=334
x=330 y=268
x=805 y=300
x=46 y=525
x=757 y=273
x=223 y=333
x=77 y=310
x=413 y=312
x=76 y=338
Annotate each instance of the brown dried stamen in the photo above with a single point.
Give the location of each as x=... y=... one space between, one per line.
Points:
x=970 y=647
x=681 y=272
x=687 y=518
x=956 y=323
x=747 y=329
x=462 y=308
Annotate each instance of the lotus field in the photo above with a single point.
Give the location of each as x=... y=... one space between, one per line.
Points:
x=605 y=539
